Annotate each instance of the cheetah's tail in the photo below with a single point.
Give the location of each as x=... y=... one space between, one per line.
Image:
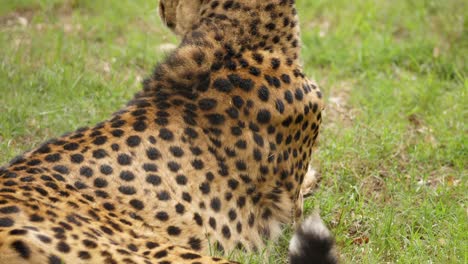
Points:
x=312 y=243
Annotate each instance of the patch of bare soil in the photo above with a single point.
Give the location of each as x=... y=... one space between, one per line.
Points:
x=444 y=176
x=374 y=187
x=323 y=25
x=23 y=16
x=338 y=111
x=19 y=17
x=419 y=132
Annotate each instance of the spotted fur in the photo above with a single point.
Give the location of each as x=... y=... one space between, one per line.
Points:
x=211 y=152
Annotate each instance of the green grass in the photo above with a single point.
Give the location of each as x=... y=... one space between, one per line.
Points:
x=393 y=155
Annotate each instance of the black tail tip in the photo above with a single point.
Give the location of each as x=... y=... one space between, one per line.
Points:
x=312 y=243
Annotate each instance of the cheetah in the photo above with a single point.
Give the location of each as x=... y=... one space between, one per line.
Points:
x=211 y=153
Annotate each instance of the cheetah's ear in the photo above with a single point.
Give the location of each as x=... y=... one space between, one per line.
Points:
x=188 y=13
x=167 y=11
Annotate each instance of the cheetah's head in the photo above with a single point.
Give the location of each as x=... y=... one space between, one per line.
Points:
x=180 y=15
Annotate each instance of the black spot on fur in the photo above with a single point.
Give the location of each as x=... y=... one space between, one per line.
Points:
x=173 y=231
x=6 y=222
x=23 y=250
x=223 y=85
